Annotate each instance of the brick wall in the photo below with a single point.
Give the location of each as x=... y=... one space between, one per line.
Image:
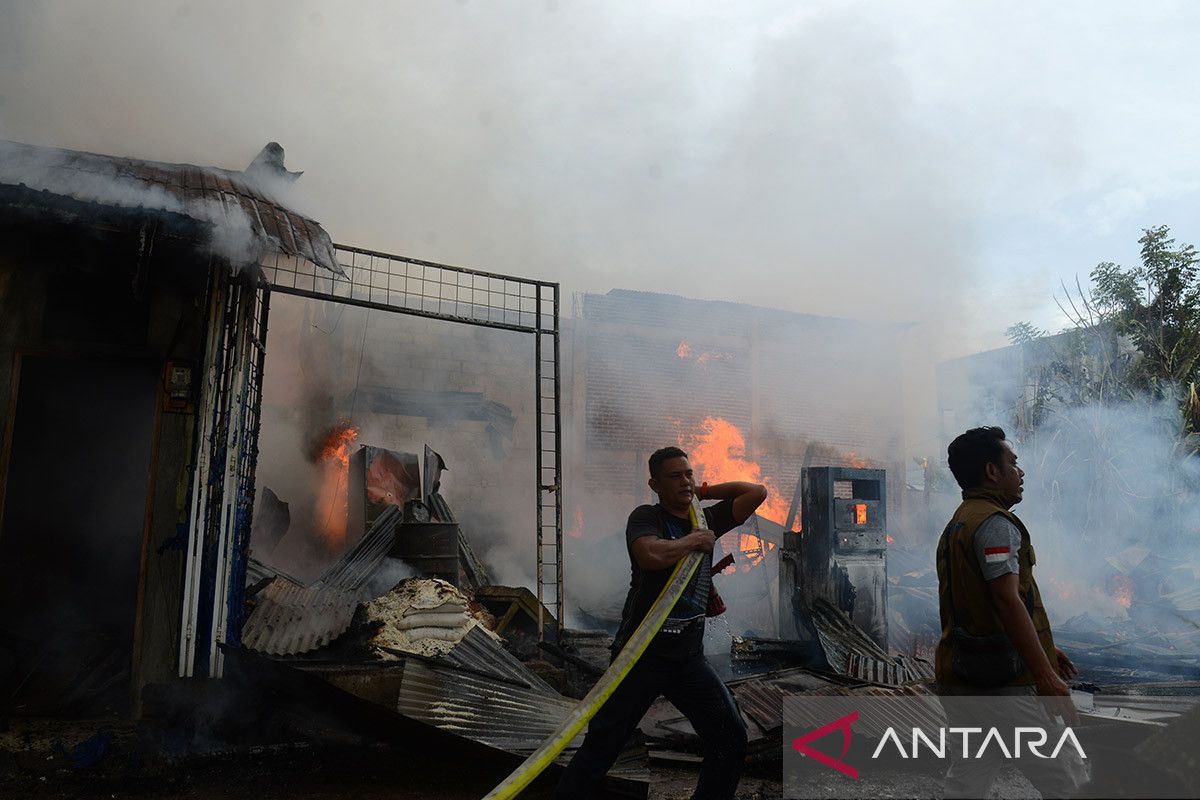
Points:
x=786 y=380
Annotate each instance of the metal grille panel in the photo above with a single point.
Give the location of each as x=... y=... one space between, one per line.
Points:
x=387 y=282
x=396 y=283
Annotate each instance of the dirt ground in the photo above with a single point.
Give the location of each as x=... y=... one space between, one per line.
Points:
x=104 y=759
x=303 y=774
x=107 y=758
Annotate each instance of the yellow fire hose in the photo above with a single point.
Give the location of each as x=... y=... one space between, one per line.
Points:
x=541 y=758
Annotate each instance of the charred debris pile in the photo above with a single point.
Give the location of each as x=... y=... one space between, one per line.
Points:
x=1154 y=636
x=407 y=621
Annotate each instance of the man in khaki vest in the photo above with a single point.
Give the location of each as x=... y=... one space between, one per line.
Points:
x=996 y=639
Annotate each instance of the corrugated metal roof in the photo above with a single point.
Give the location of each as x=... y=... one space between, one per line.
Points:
x=1184 y=600
x=850 y=651
x=496 y=713
x=481 y=652
x=291 y=618
x=257 y=571
x=356 y=564
x=483 y=692
x=759 y=699
x=499 y=714
x=915 y=669
x=865 y=667
x=238 y=207
x=762 y=701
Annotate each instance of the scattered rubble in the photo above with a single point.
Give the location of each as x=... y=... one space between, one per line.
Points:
x=423 y=616
x=451 y=651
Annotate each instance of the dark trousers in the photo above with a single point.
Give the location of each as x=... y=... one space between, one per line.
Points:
x=692 y=687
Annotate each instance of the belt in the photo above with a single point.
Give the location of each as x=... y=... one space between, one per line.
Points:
x=675 y=625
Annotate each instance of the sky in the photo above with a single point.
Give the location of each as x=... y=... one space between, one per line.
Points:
x=943 y=163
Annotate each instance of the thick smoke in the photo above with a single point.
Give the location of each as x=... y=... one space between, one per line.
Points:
x=403 y=382
x=836 y=159
x=388 y=574
x=231 y=235
x=1101 y=480
x=771 y=157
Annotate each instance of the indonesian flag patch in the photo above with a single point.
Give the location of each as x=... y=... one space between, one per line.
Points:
x=995 y=555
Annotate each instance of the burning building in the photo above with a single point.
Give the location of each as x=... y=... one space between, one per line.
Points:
x=120 y=280
x=752 y=394
x=652 y=362
x=134 y=298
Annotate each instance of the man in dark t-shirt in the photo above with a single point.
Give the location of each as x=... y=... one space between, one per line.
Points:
x=657 y=537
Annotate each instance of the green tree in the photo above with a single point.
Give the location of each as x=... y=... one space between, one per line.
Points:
x=1154 y=307
x=1093 y=392
x=1023 y=333
x=1157 y=305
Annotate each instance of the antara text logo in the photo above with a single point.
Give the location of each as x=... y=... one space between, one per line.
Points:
x=967 y=742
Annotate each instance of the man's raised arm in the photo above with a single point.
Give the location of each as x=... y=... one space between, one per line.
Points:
x=746 y=497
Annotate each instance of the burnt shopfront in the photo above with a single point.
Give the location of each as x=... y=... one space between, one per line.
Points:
x=131 y=326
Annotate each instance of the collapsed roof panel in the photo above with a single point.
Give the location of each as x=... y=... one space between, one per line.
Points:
x=241 y=211
x=497 y=713
x=292 y=618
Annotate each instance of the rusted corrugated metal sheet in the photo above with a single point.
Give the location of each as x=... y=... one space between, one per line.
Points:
x=291 y=618
x=851 y=652
x=206 y=194
x=867 y=667
x=761 y=701
x=915 y=669
x=761 y=698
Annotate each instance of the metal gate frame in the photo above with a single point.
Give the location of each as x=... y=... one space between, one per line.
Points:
x=222 y=493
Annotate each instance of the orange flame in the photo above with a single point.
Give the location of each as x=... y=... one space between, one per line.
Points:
x=684 y=350
x=1122 y=590
x=333 y=496
x=718 y=454
x=856 y=461
x=576 y=529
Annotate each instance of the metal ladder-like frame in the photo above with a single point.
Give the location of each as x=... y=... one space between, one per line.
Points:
x=549 y=463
